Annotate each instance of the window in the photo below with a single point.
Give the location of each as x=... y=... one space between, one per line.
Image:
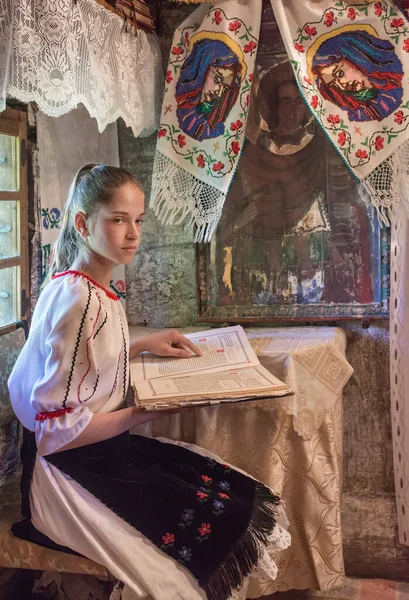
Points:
x=14 y=277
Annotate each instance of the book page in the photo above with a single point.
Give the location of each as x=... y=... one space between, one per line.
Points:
x=222 y=349
x=238 y=382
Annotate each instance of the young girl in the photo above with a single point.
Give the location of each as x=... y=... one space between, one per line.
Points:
x=167 y=519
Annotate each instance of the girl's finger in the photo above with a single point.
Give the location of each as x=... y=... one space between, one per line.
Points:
x=178 y=350
x=188 y=344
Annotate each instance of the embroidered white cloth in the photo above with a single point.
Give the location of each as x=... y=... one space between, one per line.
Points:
x=204 y=113
x=60 y=53
x=349 y=59
x=64 y=145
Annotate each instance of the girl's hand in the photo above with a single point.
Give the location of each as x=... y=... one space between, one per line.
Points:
x=165 y=343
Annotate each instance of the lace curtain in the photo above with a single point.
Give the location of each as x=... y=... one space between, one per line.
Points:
x=60 y=53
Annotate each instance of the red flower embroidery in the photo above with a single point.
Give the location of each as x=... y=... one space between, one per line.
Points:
x=314 y=102
x=169 y=538
x=181 y=140
x=235 y=26
x=202 y=494
x=169 y=77
x=406 y=45
x=200 y=161
x=207 y=479
x=379 y=141
x=329 y=19
x=307 y=80
x=251 y=77
x=298 y=47
x=235 y=146
x=351 y=14
x=397 y=23
x=342 y=138
x=161 y=133
x=177 y=50
x=218 y=166
x=399 y=117
x=224 y=496
x=361 y=153
x=250 y=47
x=378 y=9
x=217 y=17
x=311 y=31
x=204 y=529
x=334 y=119
x=236 y=125
x=120 y=285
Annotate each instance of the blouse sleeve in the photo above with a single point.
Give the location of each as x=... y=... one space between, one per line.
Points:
x=58 y=396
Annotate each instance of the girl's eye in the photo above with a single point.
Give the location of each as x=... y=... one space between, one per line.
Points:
x=139 y=221
x=118 y=220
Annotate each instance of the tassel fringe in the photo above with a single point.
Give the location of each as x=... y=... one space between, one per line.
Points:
x=242 y=559
x=179 y=197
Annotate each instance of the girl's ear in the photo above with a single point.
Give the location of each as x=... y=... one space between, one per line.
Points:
x=80 y=222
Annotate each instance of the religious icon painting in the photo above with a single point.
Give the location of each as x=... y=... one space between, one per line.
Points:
x=297 y=238
x=349 y=61
x=204 y=113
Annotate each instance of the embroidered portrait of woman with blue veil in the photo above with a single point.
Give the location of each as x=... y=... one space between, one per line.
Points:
x=359 y=72
x=209 y=84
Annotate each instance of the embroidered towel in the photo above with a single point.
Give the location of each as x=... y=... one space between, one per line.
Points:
x=349 y=59
x=204 y=113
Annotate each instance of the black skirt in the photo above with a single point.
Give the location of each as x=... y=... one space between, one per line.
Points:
x=203 y=514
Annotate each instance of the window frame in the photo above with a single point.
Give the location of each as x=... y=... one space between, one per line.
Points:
x=14 y=122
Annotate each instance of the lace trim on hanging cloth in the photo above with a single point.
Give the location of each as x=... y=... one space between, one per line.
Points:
x=180 y=197
x=388 y=185
x=61 y=54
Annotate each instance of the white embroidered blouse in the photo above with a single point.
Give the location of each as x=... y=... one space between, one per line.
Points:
x=74 y=363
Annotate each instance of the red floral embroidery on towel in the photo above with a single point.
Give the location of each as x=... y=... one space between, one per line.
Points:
x=43 y=416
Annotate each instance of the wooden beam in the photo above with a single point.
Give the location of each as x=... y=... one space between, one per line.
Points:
x=134 y=22
x=10 y=195
x=6 y=263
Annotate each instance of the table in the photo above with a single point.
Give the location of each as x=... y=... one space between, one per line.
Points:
x=292 y=444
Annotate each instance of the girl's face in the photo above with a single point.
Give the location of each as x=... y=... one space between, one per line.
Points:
x=114 y=230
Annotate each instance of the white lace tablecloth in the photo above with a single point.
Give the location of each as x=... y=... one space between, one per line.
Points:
x=292 y=444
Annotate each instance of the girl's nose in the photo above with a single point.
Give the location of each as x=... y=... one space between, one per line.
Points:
x=133 y=233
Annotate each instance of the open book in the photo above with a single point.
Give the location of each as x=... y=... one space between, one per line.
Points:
x=228 y=371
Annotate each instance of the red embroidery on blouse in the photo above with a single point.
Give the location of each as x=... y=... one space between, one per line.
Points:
x=87 y=346
x=79 y=274
x=43 y=416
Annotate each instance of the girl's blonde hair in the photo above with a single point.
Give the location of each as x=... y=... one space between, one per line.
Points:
x=92 y=186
